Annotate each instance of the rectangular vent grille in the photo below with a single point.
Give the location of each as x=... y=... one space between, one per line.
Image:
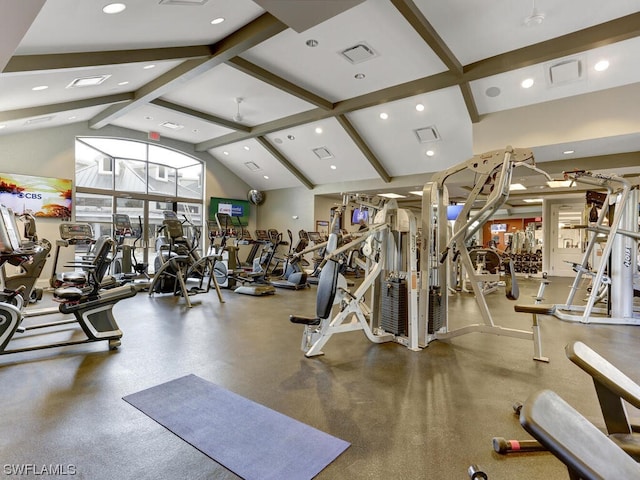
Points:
x=565 y=72
x=87 y=81
x=322 y=153
x=35 y=121
x=254 y=167
x=183 y=2
x=359 y=53
x=171 y=125
x=427 y=134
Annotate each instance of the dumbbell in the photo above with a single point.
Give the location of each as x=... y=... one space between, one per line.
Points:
x=475 y=473
x=503 y=446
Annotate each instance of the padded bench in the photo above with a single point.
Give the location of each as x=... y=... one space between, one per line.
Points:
x=613 y=388
x=587 y=452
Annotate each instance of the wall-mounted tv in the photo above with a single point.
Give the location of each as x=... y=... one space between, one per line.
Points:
x=453 y=211
x=40 y=196
x=232 y=207
x=358 y=215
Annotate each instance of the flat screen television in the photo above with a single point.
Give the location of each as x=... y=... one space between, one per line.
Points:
x=453 y=211
x=358 y=215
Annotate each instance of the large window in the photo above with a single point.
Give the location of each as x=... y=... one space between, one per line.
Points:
x=139 y=179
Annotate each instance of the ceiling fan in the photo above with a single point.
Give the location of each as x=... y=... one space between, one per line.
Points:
x=238 y=116
x=536 y=17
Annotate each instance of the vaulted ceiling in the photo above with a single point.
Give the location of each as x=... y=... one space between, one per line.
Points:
x=288 y=93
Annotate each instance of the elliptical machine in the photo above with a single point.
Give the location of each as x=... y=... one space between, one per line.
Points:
x=125 y=266
x=292 y=277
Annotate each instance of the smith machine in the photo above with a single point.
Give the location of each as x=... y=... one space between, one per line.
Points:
x=408 y=304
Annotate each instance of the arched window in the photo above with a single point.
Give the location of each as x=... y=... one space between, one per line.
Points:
x=142 y=180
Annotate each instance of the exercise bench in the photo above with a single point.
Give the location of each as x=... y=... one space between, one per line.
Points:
x=587 y=452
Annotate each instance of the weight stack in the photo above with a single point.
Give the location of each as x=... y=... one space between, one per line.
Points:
x=394 y=311
x=435 y=310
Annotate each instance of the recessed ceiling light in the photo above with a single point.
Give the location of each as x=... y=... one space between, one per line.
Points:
x=277 y=140
x=39 y=87
x=559 y=183
x=516 y=186
x=384 y=116
x=72 y=118
x=195 y=130
x=333 y=167
x=148 y=118
x=417 y=192
x=266 y=177
x=391 y=195
x=601 y=66
x=123 y=83
x=312 y=43
x=246 y=148
x=568 y=152
x=359 y=76
x=430 y=153
x=318 y=129
x=225 y=153
x=527 y=83
x=291 y=137
x=147 y=67
x=420 y=107
x=112 y=8
x=217 y=21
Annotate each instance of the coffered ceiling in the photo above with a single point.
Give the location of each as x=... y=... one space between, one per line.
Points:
x=287 y=93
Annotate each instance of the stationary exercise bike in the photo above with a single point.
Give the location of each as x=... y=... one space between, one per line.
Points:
x=90 y=306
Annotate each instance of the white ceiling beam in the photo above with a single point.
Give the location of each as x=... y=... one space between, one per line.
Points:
x=15 y=19
x=44 y=110
x=257 y=31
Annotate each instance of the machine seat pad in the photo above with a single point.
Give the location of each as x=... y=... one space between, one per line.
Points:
x=536 y=308
x=74 y=277
x=304 y=320
x=69 y=293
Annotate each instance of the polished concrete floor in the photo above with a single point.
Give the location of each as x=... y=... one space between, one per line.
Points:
x=407 y=415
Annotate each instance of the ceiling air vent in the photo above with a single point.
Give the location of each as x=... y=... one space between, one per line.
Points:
x=427 y=134
x=567 y=71
x=254 y=167
x=35 y=121
x=322 y=153
x=172 y=125
x=359 y=53
x=183 y=2
x=88 y=81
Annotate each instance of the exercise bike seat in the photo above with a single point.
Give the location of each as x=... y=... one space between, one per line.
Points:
x=74 y=277
x=70 y=294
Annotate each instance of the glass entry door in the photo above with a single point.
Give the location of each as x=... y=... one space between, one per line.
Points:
x=567 y=238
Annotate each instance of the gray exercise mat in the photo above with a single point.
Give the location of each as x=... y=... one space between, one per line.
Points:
x=249 y=439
